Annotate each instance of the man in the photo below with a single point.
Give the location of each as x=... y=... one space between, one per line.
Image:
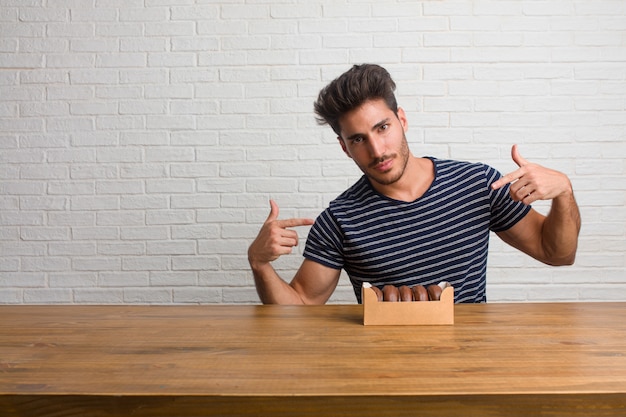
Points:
x=410 y=220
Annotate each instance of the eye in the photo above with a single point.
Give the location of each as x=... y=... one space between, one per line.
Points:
x=357 y=139
x=384 y=127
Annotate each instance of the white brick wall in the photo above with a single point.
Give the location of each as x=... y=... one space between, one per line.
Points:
x=140 y=140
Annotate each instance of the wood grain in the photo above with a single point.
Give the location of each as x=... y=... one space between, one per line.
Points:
x=517 y=359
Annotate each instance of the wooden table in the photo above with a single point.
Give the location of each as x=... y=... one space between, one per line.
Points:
x=497 y=359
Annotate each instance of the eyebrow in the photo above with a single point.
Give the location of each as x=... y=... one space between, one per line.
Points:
x=376 y=126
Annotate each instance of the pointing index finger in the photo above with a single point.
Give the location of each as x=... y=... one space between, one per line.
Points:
x=506 y=179
x=512 y=176
x=295 y=222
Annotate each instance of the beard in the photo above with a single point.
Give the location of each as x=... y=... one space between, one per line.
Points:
x=389 y=177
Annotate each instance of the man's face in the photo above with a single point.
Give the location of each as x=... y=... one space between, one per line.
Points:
x=374 y=137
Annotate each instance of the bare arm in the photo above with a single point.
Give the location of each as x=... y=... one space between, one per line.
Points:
x=313 y=283
x=552 y=239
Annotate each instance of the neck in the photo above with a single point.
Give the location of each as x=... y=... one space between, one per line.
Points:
x=415 y=181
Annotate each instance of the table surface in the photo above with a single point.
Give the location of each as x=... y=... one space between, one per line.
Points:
x=252 y=351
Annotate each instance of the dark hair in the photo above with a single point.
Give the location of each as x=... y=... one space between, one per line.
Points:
x=351 y=89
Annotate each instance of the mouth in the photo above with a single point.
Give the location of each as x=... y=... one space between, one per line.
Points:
x=383 y=165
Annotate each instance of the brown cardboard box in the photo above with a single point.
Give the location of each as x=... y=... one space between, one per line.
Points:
x=407 y=313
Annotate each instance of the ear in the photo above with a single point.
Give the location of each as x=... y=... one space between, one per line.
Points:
x=343 y=146
x=403 y=120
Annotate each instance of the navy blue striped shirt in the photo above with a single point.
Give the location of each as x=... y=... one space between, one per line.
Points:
x=442 y=236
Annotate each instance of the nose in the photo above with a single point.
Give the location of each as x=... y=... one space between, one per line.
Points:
x=377 y=146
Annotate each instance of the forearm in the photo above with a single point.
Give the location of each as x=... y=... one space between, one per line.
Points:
x=560 y=230
x=271 y=287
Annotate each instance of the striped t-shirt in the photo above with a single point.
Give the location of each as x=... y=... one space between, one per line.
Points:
x=442 y=236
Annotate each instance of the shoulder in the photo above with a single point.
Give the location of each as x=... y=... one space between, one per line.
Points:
x=355 y=205
x=456 y=173
x=361 y=191
x=448 y=167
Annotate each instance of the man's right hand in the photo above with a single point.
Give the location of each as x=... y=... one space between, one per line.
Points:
x=274 y=238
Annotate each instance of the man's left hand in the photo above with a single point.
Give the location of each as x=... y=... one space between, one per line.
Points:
x=532 y=182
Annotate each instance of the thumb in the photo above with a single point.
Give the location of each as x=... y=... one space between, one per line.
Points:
x=517 y=157
x=273 y=212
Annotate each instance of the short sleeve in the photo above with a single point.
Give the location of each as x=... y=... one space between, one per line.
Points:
x=324 y=242
x=505 y=212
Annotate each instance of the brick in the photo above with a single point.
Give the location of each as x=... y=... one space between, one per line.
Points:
x=195 y=295
x=220 y=185
x=144 y=171
x=39 y=109
x=9 y=233
x=118 y=92
x=232 y=247
x=143 y=76
x=170 y=186
x=10 y=264
x=123 y=248
x=240 y=296
x=118 y=29
x=196 y=107
x=121 y=279
x=195 y=44
x=97 y=45
x=99 y=296
x=48 y=296
x=171 y=59
x=95 y=233
x=180 y=247
x=93 y=15
x=148 y=296
x=43 y=172
x=143 y=107
x=93 y=76
x=173 y=279
x=170 y=217
x=22 y=280
x=72 y=248
x=74 y=60
x=90 y=171
x=71 y=187
x=201 y=231
x=143 y=202
x=144 y=233
x=245 y=12
x=33 y=14
x=119 y=187
x=45 y=264
x=42 y=45
x=69 y=93
x=194 y=170
x=121 y=59
x=100 y=263
x=224 y=278
x=120 y=218
x=70 y=124
x=169 y=29
x=177 y=154
x=44 y=233
x=13 y=296
x=125 y=154
x=73 y=280
x=194 y=201
x=222 y=216
x=195 y=263
x=195 y=13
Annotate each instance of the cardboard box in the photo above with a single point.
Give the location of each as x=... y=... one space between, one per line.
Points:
x=407 y=313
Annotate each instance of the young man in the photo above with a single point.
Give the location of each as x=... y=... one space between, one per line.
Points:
x=410 y=220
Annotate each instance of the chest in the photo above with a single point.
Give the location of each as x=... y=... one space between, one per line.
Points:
x=415 y=232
